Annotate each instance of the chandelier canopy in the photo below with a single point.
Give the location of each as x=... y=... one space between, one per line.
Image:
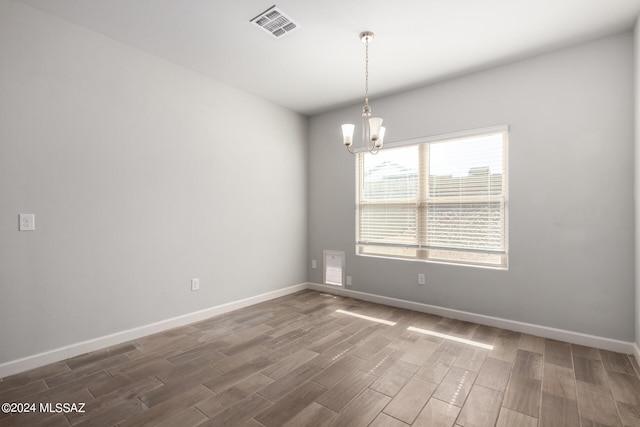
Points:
x=372 y=129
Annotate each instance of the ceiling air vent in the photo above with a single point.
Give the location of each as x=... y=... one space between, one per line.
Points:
x=274 y=21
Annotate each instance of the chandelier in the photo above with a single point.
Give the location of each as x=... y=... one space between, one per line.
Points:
x=372 y=130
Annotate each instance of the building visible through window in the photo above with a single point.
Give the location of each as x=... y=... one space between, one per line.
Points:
x=436 y=199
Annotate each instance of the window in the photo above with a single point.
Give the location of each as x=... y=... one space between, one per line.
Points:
x=437 y=199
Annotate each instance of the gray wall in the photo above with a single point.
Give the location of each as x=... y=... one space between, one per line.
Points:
x=141 y=175
x=571 y=217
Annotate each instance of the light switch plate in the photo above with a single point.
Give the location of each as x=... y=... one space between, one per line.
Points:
x=27 y=222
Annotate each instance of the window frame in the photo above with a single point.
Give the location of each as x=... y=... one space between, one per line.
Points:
x=426 y=253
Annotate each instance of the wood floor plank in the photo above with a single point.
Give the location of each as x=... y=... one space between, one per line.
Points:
x=559 y=381
x=290 y=405
x=338 y=396
x=78 y=397
x=558 y=353
x=85 y=370
x=381 y=362
x=590 y=371
x=481 y=408
x=214 y=405
x=464 y=329
x=384 y=420
x=239 y=413
x=20 y=393
x=364 y=335
x=437 y=366
x=635 y=364
x=236 y=375
x=247 y=355
x=362 y=410
x=531 y=343
x=285 y=384
x=629 y=414
x=625 y=388
x=228 y=344
x=156 y=367
x=33 y=375
x=336 y=372
x=330 y=355
x=485 y=334
x=509 y=418
x=284 y=366
x=328 y=341
x=471 y=358
x=113 y=414
x=505 y=347
x=313 y=415
x=494 y=374
x=67 y=390
x=201 y=354
x=409 y=401
x=177 y=386
x=586 y=352
x=455 y=386
x=367 y=349
x=631 y=422
x=108 y=401
x=558 y=411
x=523 y=395
x=188 y=418
x=528 y=365
x=596 y=405
x=617 y=362
x=419 y=352
x=34 y=420
x=90 y=358
x=113 y=383
x=437 y=413
x=395 y=378
x=177 y=404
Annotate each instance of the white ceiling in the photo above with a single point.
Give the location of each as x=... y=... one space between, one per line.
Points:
x=321 y=65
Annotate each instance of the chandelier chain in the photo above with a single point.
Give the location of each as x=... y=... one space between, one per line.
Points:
x=366 y=73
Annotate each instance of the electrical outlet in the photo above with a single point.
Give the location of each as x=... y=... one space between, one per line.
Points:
x=421 y=279
x=27 y=222
x=314 y=263
x=348 y=280
x=195 y=284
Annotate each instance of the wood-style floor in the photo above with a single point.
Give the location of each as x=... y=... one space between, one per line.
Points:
x=297 y=361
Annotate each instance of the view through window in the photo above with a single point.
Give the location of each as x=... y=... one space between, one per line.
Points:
x=439 y=199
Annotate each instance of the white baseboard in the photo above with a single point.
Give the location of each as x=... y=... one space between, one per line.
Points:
x=512 y=325
x=58 y=354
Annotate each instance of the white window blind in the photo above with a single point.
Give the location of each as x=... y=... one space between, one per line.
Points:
x=441 y=200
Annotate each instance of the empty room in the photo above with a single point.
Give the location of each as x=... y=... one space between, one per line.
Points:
x=336 y=213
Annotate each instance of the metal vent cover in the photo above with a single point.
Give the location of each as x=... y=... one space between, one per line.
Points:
x=275 y=22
